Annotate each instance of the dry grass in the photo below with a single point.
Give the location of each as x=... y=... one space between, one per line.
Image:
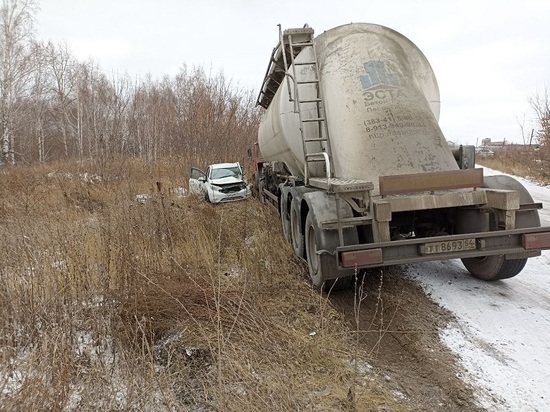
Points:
x=112 y=301
x=520 y=162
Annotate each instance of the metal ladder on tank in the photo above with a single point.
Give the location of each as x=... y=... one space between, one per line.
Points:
x=298 y=40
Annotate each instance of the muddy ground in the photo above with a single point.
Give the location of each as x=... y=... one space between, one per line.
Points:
x=398 y=329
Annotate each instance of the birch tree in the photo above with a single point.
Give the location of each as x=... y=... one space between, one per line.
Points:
x=17 y=19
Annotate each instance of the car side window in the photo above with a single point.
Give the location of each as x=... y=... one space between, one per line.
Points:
x=196 y=173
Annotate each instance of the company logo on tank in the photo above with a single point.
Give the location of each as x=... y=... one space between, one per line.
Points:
x=377 y=74
x=383 y=81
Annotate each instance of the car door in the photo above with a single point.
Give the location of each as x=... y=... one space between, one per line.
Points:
x=196 y=182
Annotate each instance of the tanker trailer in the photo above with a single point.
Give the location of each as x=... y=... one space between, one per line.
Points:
x=352 y=116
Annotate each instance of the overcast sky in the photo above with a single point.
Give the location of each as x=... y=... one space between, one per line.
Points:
x=489 y=56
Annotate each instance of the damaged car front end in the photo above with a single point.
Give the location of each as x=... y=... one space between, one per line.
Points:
x=222 y=182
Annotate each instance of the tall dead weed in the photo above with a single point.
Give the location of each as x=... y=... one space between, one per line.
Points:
x=119 y=296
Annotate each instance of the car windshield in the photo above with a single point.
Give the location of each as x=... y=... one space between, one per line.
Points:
x=234 y=171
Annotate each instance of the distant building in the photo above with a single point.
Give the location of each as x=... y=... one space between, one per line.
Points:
x=488 y=143
x=489 y=146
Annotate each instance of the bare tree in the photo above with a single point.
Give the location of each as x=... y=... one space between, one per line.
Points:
x=153 y=123
x=53 y=107
x=214 y=119
x=93 y=120
x=62 y=68
x=38 y=102
x=540 y=103
x=16 y=66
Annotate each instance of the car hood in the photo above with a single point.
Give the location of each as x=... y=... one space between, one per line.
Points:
x=226 y=180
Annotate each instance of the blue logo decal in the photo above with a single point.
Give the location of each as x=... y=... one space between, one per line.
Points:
x=377 y=74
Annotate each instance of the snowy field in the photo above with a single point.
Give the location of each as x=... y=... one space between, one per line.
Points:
x=502 y=333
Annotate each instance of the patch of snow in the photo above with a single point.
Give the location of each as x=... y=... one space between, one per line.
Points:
x=75 y=397
x=95 y=348
x=59 y=175
x=502 y=332
x=11 y=382
x=399 y=395
x=180 y=192
x=85 y=177
x=142 y=198
x=90 y=177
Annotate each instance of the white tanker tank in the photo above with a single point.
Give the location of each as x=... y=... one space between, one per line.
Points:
x=353 y=159
x=381 y=104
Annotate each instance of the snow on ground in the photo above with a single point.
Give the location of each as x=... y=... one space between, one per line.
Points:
x=502 y=333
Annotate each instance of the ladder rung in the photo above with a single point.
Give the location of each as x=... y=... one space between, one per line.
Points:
x=310 y=100
x=319 y=156
x=292 y=42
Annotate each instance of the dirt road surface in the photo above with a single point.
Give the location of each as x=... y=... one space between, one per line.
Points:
x=444 y=340
x=501 y=330
x=397 y=328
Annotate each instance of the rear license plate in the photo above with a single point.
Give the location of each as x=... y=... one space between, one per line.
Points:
x=448 y=247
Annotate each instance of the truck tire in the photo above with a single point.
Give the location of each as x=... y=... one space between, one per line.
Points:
x=256 y=187
x=261 y=194
x=297 y=237
x=497 y=267
x=320 y=267
x=285 y=222
x=494 y=267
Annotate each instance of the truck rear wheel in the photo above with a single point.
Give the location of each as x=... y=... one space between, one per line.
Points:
x=261 y=194
x=297 y=237
x=494 y=267
x=285 y=222
x=315 y=241
x=497 y=267
x=255 y=187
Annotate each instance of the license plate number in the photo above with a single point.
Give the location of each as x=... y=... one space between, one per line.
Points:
x=448 y=247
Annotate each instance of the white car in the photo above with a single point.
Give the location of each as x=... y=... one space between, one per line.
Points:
x=222 y=182
x=484 y=152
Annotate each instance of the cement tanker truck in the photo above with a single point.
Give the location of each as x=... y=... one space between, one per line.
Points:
x=354 y=161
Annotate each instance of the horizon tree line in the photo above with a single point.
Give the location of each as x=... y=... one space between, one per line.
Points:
x=53 y=107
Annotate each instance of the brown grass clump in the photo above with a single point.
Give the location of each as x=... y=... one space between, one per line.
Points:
x=118 y=296
x=530 y=162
